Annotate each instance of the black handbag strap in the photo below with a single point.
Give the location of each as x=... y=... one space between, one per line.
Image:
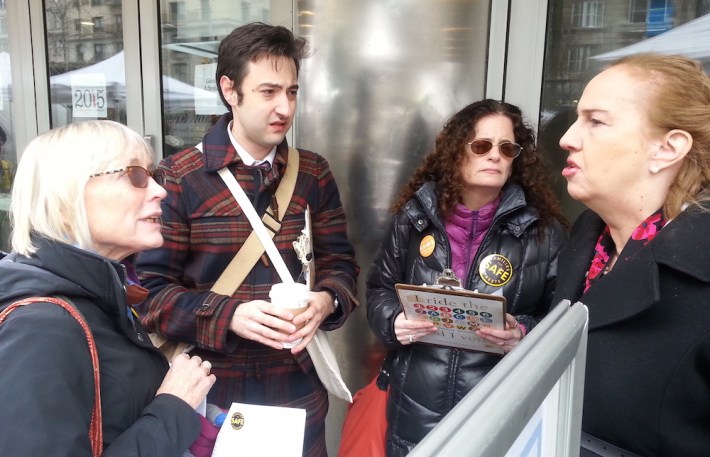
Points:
x=383 y=378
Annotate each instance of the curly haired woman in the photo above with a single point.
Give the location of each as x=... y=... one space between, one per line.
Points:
x=479 y=198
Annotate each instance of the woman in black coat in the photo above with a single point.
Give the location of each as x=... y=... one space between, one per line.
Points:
x=639 y=158
x=83 y=201
x=480 y=195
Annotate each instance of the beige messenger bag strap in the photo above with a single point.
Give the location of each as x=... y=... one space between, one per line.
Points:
x=251 y=251
x=233 y=276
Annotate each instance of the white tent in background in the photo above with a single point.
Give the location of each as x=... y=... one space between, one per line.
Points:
x=691 y=39
x=5 y=99
x=5 y=76
x=175 y=92
x=113 y=68
x=5 y=67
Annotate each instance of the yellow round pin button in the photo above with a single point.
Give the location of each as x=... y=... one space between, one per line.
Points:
x=237 y=421
x=495 y=270
x=427 y=245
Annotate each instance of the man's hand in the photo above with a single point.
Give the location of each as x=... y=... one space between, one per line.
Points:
x=259 y=320
x=320 y=306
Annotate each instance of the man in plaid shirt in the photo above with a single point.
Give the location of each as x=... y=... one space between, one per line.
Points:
x=204 y=227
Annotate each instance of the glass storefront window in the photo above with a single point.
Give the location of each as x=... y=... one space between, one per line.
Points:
x=583 y=36
x=190 y=35
x=8 y=153
x=85 y=57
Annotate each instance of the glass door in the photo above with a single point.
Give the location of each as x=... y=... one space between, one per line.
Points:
x=8 y=154
x=86 y=62
x=189 y=35
x=66 y=57
x=71 y=59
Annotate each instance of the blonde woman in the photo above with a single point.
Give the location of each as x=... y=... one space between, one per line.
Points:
x=84 y=200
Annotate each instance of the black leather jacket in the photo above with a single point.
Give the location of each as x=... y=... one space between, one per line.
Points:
x=428 y=381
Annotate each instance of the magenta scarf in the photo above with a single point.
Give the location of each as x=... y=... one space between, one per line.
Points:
x=466 y=229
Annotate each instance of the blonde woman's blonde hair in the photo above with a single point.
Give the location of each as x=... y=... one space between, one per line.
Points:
x=678 y=98
x=48 y=192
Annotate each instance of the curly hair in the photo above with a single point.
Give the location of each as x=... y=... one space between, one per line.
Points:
x=443 y=165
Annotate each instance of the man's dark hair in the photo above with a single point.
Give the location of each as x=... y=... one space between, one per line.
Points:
x=249 y=43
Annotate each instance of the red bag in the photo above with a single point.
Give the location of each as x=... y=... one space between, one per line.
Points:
x=366 y=420
x=365 y=424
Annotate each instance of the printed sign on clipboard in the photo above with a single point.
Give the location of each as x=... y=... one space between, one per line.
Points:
x=456 y=313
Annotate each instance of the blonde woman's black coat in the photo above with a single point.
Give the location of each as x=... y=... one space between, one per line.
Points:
x=46 y=376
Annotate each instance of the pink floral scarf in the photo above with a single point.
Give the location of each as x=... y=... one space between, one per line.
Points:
x=605 y=247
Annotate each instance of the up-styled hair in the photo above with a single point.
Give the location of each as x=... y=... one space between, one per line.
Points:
x=48 y=192
x=249 y=43
x=678 y=97
x=444 y=164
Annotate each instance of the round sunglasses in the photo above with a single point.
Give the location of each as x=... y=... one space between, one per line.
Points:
x=508 y=149
x=136 y=174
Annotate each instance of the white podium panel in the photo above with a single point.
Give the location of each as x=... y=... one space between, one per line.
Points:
x=530 y=404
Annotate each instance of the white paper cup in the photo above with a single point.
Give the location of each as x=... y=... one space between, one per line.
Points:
x=293 y=297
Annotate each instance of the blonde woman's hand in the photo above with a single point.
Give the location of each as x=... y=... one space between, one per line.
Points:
x=189 y=379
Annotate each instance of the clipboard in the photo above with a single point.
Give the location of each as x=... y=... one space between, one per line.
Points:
x=457 y=314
